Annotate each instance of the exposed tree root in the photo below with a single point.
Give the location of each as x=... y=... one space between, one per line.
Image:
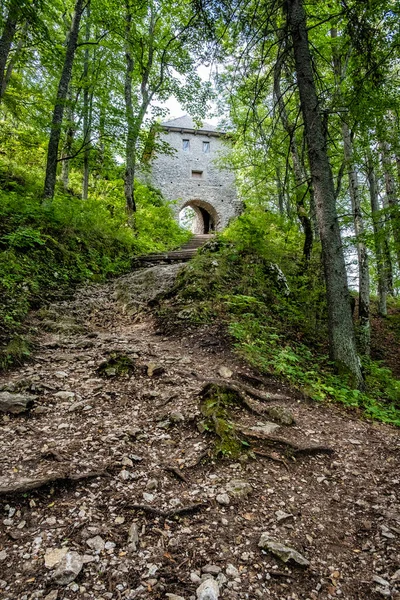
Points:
x=219 y=397
x=241 y=388
x=169 y=514
x=236 y=388
x=26 y=484
x=287 y=445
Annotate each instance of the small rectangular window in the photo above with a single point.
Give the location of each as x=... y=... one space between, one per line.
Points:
x=197 y=174
x=185 y=145
x=206 y=147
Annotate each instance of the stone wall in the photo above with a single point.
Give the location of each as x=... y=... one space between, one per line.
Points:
x=214 y=190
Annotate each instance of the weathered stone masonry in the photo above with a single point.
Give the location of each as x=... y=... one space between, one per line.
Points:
x=191 y=177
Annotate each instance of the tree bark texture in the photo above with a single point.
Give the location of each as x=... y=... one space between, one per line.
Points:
x=391 y=198
x=86 y=111
x=68 y=142
x=6 y=40
x=299 y=173
x=58 y=113
x=130 y=154
x=281 y=197
x=341 y=329
x=16 y=51
x=379 y=233
x=363 y=268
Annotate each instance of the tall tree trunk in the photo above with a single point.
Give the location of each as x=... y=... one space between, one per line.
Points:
x=363 y=269
x=391 y=201
x=378 y=238
x=86 y=110
x=341 y=329
x=359 y=229
x=130 y=151
x=6 y=40
x=52 y=150
x=299 y=174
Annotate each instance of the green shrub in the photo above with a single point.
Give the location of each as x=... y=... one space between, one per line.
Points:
x=283 y=334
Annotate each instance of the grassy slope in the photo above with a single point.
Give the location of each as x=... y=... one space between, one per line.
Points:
x=45 y=249
x=279 y=333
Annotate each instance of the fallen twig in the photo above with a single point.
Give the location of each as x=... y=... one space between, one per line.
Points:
x=178 y=474
x=271 y=457
x=280 y=574
x=191 y=508
x=149 y=509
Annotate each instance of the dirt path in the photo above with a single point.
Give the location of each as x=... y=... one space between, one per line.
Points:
x=139 y=433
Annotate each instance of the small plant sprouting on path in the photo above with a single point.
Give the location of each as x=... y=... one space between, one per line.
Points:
x=216 y=406
x=117 y=365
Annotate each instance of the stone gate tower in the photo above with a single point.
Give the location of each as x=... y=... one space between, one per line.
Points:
x=191 y=177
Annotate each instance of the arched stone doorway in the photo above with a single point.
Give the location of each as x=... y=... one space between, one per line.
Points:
x=199 y=216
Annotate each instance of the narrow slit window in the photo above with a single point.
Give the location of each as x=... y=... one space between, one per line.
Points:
x=206 y=147
x=186 y=145
x=197 y=174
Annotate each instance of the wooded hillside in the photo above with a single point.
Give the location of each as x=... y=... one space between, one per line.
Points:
x=210 y=416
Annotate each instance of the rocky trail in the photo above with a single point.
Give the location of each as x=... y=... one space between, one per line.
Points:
x=109 y=488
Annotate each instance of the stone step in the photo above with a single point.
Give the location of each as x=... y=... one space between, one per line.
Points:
x=181 y=255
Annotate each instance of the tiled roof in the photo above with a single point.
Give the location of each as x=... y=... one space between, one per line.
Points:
x=187 y=122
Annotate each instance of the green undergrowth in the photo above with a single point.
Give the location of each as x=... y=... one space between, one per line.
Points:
x=254 y=281
x=46 y=249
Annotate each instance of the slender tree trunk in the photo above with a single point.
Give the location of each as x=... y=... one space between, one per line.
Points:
x=6 y=40
x=391 y=198
x=398 y=168
x=86 y=110
x=130 y=152
x=341 y=329
x=281 y=197
x=363 y=269
x=67 y=148
x=299 y=174
x=52 y=150
x=386 y=243
x=13 y=59
x=102 y=132
x=378 y=238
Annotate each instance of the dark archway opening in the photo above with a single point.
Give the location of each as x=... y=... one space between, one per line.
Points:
x=199 y=216
x=208 y=223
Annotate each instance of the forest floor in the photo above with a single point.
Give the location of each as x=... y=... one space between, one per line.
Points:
x=95 y=448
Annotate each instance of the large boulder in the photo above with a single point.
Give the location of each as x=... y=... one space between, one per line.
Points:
x=15 y=403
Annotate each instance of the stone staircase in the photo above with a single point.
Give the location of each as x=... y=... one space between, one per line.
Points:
x=181 y=255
